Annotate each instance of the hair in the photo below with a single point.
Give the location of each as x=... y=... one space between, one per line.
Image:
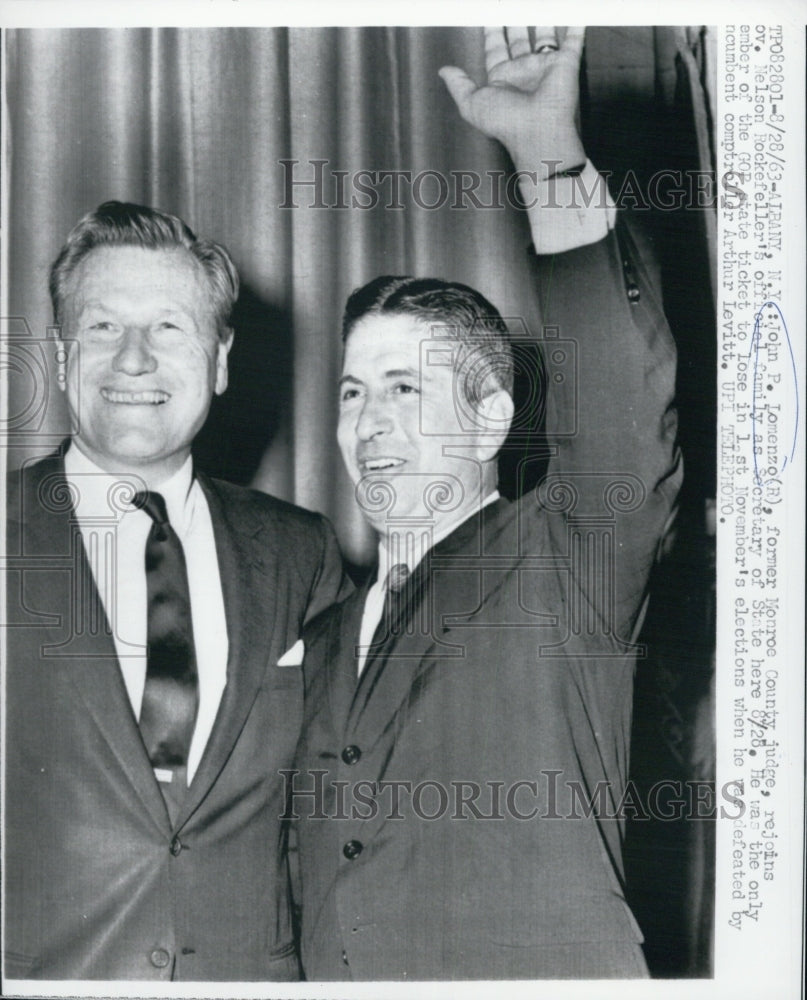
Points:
x=455 y=311
x=123 y=224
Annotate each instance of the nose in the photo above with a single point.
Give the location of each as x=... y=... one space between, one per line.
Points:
x=134 y=355
x=373 y=419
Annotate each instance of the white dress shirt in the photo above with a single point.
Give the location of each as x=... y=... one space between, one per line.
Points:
x=409 y=548
x=569 y=212
x=114 y=536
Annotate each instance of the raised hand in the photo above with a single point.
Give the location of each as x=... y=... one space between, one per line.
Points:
x=530 y=99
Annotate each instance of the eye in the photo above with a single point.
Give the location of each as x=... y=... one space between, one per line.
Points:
x=166 y=324
x=102 y=326
x=348 y=394
x=405 y=388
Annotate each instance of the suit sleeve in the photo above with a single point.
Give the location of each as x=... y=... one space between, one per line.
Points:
x=331 y=583
x=612 y=427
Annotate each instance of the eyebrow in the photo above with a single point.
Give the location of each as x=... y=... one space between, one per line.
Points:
x=102 y=306
x=389 y=374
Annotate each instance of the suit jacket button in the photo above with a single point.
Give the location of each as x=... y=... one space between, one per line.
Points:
x=176 y=846
x=344 y=957
x=351 y=754
x=352 y=849
x=160 y=958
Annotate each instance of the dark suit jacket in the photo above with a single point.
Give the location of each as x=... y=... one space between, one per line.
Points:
x=98 y=883
x=503 y=710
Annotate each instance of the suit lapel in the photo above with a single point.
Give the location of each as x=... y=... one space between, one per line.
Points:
x=248 y=581
x=340 y=655
x=88 y=654
x=449 y=581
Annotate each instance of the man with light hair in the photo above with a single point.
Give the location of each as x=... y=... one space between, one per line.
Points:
x=149 y=704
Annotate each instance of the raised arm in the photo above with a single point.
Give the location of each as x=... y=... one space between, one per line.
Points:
x=600 y=295
x=529 y=102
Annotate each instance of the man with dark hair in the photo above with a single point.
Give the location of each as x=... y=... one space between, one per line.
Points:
x=149 y=703
x=457 y=311
x=461 y=777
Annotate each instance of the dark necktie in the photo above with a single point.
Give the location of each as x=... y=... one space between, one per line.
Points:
x=391 y=625
x=171 y=693
x=394 y=586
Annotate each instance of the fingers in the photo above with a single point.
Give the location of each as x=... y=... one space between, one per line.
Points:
x=496 y=50
x=518 y=40
x=459 y=84
x=573 y=42
x=545 y=40
x=503 y=45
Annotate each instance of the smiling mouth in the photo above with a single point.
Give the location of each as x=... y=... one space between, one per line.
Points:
x=380 y=464
x=146 y=397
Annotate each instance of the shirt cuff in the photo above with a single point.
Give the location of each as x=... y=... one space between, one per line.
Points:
x=567 y=212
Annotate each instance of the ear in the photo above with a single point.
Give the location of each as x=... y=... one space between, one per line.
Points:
x=494 y=414
x=222 y=350
x=60 y=354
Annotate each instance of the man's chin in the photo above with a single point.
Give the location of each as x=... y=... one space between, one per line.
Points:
x=129 y=452
x=398 y=514
x=379 y=496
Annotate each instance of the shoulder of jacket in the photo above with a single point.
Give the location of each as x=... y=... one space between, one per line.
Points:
x=264 y=505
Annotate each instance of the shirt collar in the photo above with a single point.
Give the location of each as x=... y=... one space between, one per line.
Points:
x=101 y=494
x=411 y=546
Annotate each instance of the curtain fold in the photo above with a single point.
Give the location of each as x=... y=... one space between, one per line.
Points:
x=223 y=127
